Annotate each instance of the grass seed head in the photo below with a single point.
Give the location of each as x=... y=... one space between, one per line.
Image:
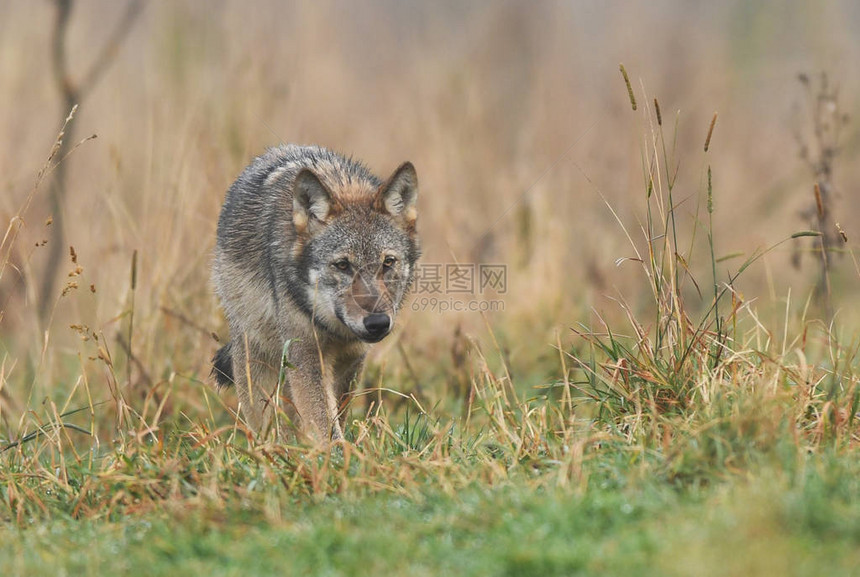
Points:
x=710 y=193
x=134 y=270
x=819 y=204
x=842 y=234
x=629 y=86
x=710 y=132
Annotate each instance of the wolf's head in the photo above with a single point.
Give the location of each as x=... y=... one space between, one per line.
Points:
x=356 y=248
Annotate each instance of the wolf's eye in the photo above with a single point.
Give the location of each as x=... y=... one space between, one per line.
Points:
x=341 y=264
x=389 y=262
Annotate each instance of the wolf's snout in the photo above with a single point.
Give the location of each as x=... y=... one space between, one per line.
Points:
x=377 y=325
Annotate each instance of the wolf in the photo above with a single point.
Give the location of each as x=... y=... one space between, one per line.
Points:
x=313 y=259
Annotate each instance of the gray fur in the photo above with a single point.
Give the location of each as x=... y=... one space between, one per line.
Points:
x=291 y=222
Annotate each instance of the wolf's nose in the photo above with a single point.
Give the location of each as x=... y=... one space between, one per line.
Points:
x=377 y=324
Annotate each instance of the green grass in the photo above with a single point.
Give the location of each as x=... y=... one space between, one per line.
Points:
x=623 y=522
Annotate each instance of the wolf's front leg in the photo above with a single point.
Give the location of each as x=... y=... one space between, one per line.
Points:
x=255 y=395
x=346 y=370
x=312 y=393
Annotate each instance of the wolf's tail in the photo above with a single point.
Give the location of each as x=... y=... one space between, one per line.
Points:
x=222 y=367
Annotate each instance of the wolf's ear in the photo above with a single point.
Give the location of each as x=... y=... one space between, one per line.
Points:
x=312 y=202
x=399 y=195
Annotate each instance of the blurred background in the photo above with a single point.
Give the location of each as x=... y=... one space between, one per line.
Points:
x=515 y=115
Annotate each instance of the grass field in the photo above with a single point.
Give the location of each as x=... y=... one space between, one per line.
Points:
x=661 y=392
